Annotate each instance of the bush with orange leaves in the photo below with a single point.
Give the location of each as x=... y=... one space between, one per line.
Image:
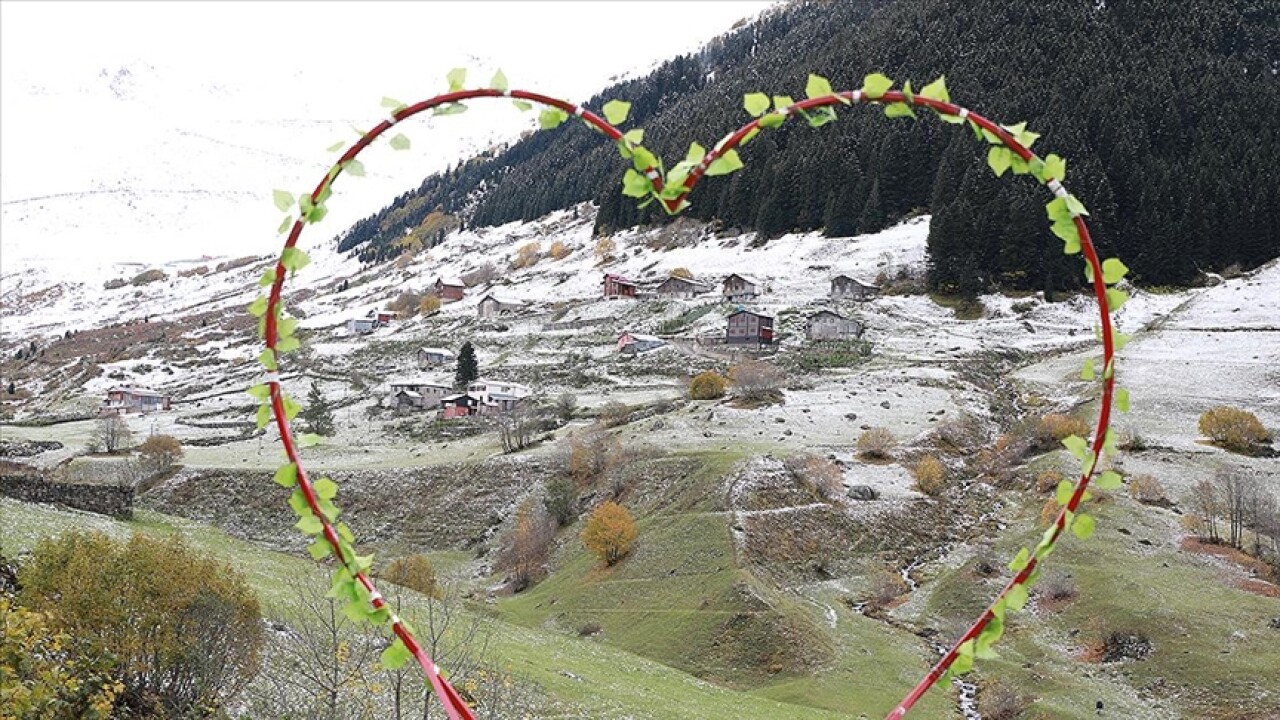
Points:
x=1234 y=429
x=1053 y=429
x=559 y=250
x=931 y=475
x=609 y=532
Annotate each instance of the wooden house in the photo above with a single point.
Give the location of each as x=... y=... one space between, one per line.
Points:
x=738 y=288
x=125 y=399
x=830 y=325
x=419 y=393
x=450 y=289
x=497 y=396
x=630 y=343
x=679 y=288
x=431 y=357
x=491 y=305
x=616 y=286
x=749 y=328
x=361 y=326
x=459 y=405
x=844 y=286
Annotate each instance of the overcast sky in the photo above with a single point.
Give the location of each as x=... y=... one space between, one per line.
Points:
x=69 y=124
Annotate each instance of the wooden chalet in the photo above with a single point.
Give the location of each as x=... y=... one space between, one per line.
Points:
x=491 y=305
x=679 y=288
x=450 y=289
x=845 y=286
x=749 y=328
x=616 y=286
x=459 y=405
x=830 y=325
x=127 y=399
x=738 y=288
x=630 y=343
x=497 y=396
x=430 y=357
x=417 y=394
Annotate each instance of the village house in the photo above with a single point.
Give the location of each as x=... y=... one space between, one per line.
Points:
x=844 y=286
x=679 y=288
x=431 y=357
x=450 y=289
x=419 y=393
x=491 y=305
x=738 y=288
x=829 y=325
x=459 y=405
x=749 y=328
x=616 y=286
x=497 y=396
x=123 y=400
x=630 y=343
x=370 y=322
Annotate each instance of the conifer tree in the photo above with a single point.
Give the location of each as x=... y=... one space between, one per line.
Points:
x=318 y=413
x=468 y=369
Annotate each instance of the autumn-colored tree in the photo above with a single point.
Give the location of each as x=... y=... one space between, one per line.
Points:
x=47 y=673
x=1233 y=428
x=429 y=305
x=756 y=380
x=111 y=433
x=414 y=572
x=682 y=272
x=184 y=630
x=609 y=532
x=707 y=386
x=605 y=248
x=160 y=452
x=527 y=255
x=526 y=547
x=819 y=474
x=559 y=250
x=931 y=475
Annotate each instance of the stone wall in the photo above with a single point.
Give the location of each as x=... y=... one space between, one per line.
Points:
x=110 y=500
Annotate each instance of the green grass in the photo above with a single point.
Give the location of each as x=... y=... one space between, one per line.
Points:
x=1213 y=654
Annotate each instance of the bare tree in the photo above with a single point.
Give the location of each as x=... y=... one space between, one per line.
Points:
x=1206 y=506
x=756 y=380
x=111 y=433
x=526 y=547
x=518 y=427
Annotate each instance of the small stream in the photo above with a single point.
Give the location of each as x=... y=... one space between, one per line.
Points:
x=968 y=701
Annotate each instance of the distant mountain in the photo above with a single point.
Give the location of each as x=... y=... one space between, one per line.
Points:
x=1167 y=120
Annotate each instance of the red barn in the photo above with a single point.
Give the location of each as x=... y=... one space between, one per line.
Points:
x=616 y=286
x=748 y=328
x=449 y=289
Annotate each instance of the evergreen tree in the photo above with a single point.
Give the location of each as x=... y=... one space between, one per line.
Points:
x=13 y=389
x=468 y=369
x=318 y=413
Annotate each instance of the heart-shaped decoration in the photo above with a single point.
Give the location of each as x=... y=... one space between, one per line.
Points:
x=1010 y=150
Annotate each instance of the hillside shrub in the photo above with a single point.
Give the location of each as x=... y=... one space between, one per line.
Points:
x=559 y=250
x=605 y=248
x=561 y=500
x=527 y=256
x=682 y=272
x=885 y=588
x=148 y=276
x=708 y=385
x=429 y=305
x=414 y=572
x=821 y=476
x=1233 y=428
x=609 y=532
x=406 y=304
x=1052 y=429
x=482 y=275
x=184 y=631
x=1000 y=701
x=1048 y=480
x=526 y=547
x=114 y=284
x=160 y=452
x=756 y=380
x=1049 y=512
x=931 y=475
x=1147 y=490
x=876 y=443
x=48 y=673
x=110 y=434
x=614 y=413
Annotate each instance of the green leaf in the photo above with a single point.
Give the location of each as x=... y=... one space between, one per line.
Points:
x=944 y=680
x=286 y=327
x=298 y=502
x=1108 y=480
x=725 y=164
x=286 y=475
x=998 y=160
x=288 y=344
x=898 y=109
x=875 y=85
x=634 y=136
x=635 y=185
x=328 y=509
x=642 y=159
x=1016 y=599
x=264 y=416
x=756 y=104
x=283 y=199
x=395 y=656
x=695 y=154
x=355 y=610
x=522 y=106
x=1083 y=526
x=817 y=86
x=772 y=120
x=267 y=358
x=1113 y=271
x=1055 y=167
x=260 y=392
x=456 y=78
x=294 y=259
x=1116 y=299
x=499 y=81
x=310 y=525
x=1020 y=561
x=906 y=92
x=749 y=136
x=291 y=406
x=268 y=277
x=453 y=108
x=1087 y=373
x=284 y=225
x=336 y=146
x=319 y=549
x=551 y=118
x=392 y=103
x=1122 y=400
x=258 y=307
x=1057 y=210
x=353 y=167
x=616 y=111
x=1120 y=339
x=782 y=101
x=1075 y=206
x=937 y=90
x=308 y=439
x=1064 y=492
x=326 y=488
x=964 y=661
x=990 y=634
x=345 y=533
x=1076 y=445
